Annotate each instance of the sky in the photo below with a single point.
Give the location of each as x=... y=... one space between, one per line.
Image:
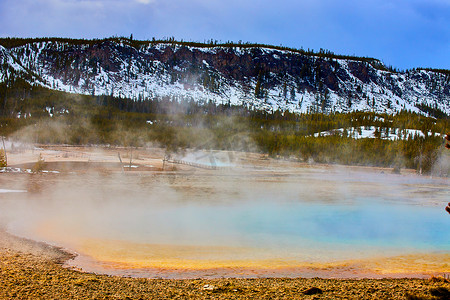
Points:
x=401 y=33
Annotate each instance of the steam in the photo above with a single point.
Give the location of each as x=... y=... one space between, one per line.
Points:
x=249 y=208
x=223 y=207
x=441 y=166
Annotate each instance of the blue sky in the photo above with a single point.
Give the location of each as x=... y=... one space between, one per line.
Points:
x=402 y=33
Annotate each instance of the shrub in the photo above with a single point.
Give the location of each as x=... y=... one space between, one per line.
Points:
x=3 y=163
x=39 y=165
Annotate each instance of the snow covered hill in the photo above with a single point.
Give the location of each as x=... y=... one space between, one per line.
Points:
x=267 y=78
x=363 y=132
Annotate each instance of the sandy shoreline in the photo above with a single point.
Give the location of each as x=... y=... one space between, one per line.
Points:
x=119 y=258
x=170 y=262
x=30 y=270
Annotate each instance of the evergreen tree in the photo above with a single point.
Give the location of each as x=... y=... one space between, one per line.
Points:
x=292 y=94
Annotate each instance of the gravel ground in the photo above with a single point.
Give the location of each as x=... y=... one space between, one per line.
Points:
x=31 y=270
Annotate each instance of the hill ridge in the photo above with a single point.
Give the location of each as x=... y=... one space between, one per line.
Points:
x=254 y=75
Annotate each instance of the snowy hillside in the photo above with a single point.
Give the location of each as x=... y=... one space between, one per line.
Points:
x=256 y=77
x=363 y=132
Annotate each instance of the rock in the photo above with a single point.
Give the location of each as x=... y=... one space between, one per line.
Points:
x=440 y=292
x=313 y=291
x=208 y=287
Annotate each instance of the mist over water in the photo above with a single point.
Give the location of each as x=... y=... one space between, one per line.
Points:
x=295 y=214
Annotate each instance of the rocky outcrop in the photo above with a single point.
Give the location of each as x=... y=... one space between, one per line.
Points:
x=267 y=77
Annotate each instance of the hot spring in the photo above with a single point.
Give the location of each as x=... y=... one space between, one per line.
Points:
x=291 y=221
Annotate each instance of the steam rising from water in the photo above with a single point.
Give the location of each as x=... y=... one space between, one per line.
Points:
x=291 y=214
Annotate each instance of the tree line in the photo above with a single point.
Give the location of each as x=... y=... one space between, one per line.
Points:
x=9 y=42
x=40 y=115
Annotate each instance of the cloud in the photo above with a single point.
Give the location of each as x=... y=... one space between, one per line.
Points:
x=145 y=1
